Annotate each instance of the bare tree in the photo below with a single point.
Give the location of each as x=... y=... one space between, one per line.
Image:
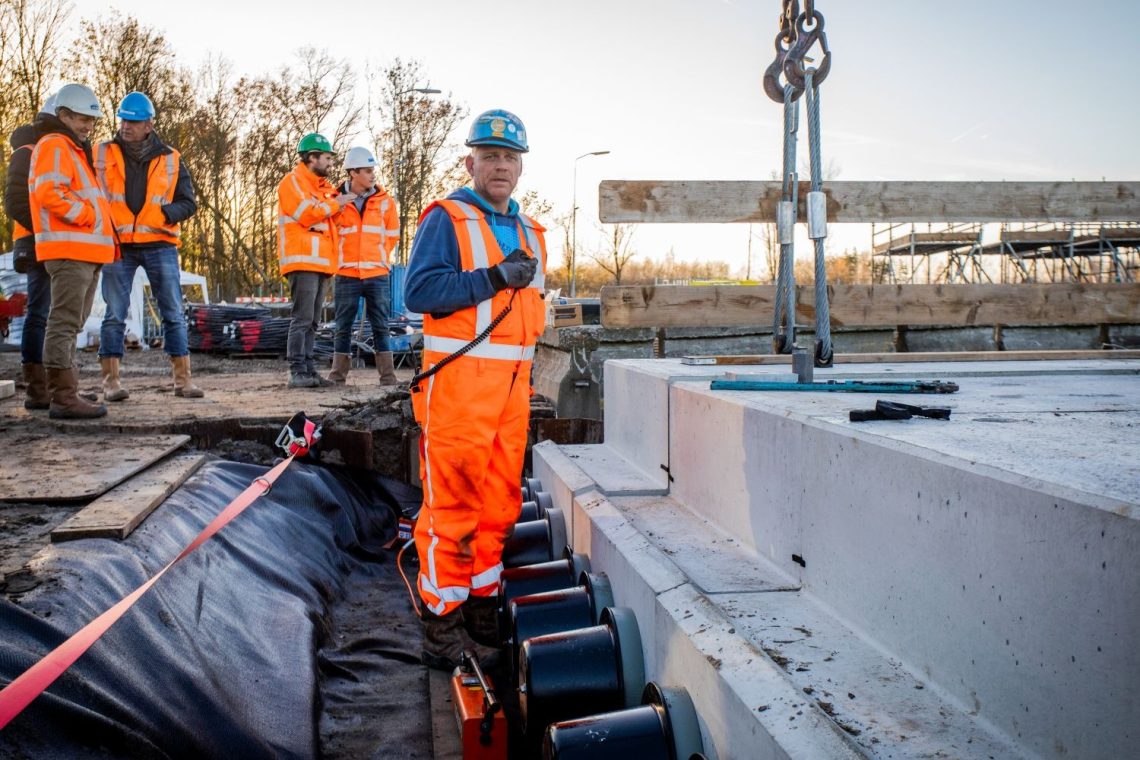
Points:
x=419 y=161
x=618 y=251
x=31 y=36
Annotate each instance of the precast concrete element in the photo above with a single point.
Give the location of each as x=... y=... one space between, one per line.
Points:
x=991 y=562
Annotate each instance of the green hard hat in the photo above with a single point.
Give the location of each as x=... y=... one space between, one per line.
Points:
x=314 y=142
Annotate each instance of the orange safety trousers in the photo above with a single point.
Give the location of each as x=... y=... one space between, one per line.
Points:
x=473 y=415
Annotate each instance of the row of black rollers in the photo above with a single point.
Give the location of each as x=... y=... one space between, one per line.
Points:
x=576 y=659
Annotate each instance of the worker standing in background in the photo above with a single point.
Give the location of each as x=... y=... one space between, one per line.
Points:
x=476 y=259
x=17 y=206
x=306 y=244
x=75 y=236
x=368 y=230
x=150 y=192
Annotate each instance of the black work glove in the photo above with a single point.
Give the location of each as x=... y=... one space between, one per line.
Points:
x=515 y=271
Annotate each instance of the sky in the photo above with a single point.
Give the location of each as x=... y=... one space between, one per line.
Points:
x=918 y=89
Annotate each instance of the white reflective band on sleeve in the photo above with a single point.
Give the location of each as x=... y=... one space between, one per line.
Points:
x=116 y=198
x=347 y=230
x=52 y=177
x=74 y=212
x=371 y=265
x=378 y=230
x=158 y=200
x=487 y=577
x=484 y=350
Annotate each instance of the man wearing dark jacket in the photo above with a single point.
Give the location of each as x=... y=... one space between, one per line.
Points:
x=151 y=192
x=18 y=209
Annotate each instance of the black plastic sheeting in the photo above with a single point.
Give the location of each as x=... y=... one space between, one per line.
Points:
x=288 y=634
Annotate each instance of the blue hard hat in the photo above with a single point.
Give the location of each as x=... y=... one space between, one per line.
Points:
x=498 y=127
x=136 y=107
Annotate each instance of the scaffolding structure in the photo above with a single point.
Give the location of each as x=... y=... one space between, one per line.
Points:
x=1021 y=252
x=941 y=253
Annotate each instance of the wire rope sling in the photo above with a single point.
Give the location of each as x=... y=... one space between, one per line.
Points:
x=785 y=80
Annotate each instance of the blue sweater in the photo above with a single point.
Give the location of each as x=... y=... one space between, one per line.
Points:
x=436 y=281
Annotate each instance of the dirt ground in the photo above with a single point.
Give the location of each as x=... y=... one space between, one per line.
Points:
x=247 y=403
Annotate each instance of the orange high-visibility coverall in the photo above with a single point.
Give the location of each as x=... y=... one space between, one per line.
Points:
x=473 y=414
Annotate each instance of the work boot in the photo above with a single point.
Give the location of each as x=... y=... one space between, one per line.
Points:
x=183 y=385
x=481 y=620
x=303 y=380
x=112 y=390
x=386 y=368
x=342 y=363
x=311 y=369
x=445 y=640
x=65 y=402
x=37 y=392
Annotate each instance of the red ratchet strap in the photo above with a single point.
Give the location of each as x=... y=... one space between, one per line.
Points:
x=35 y=680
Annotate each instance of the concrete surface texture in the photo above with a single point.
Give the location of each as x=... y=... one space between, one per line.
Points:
x=990 y=562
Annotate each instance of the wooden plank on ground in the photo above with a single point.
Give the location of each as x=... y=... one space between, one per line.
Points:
x=118 y=512
x=755 y=202
x=7 y=388
x=49 y=468
x=921 y=356
x=875 y=305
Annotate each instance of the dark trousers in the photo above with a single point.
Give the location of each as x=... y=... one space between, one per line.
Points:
x=377 y=297
x=308 y=290
x=39 y=305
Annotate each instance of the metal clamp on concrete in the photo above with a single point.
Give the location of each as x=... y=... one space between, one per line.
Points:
x=572 y=674
x=664 y=727
x=556 y=611
x=540 y=540
x=536 y=507
x=530 y=487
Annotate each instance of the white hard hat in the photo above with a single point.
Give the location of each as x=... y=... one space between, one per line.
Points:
x=49 y=105
x=78 y=98
x=359 y=158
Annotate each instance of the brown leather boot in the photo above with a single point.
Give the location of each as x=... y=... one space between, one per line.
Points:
x=445 y=641
x=63 y=385
x=481 y=620
x=112 y=390
x=342 y=363
x=37 y=392
x=183 y=386
x=386 y=368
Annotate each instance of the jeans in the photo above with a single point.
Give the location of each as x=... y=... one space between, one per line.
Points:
x=308 y=290
x=377 y=305
x=72 y=293
x=161 y=267
x=35 y=321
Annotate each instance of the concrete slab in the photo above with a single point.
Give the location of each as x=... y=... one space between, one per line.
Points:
x=612 y=472
x=886 y=710
x=714 y=562
x=996 y=555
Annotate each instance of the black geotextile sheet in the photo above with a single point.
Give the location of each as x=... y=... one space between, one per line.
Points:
x=288 y=634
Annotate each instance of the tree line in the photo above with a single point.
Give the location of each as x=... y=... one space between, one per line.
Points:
x=237 y=133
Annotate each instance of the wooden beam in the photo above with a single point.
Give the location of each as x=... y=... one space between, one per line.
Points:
x=874 y=305
x=122 y=509
x=920 y=356
x=755 y=202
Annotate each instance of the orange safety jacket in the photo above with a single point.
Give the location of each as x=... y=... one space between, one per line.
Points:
x=514 y=338
x=150 y=226
x=70 y=214
x=306 y=237
x=18 y=230
x=365 y=241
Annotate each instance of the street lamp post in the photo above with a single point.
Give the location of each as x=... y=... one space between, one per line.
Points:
x=574 y=223
x=397 y=159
